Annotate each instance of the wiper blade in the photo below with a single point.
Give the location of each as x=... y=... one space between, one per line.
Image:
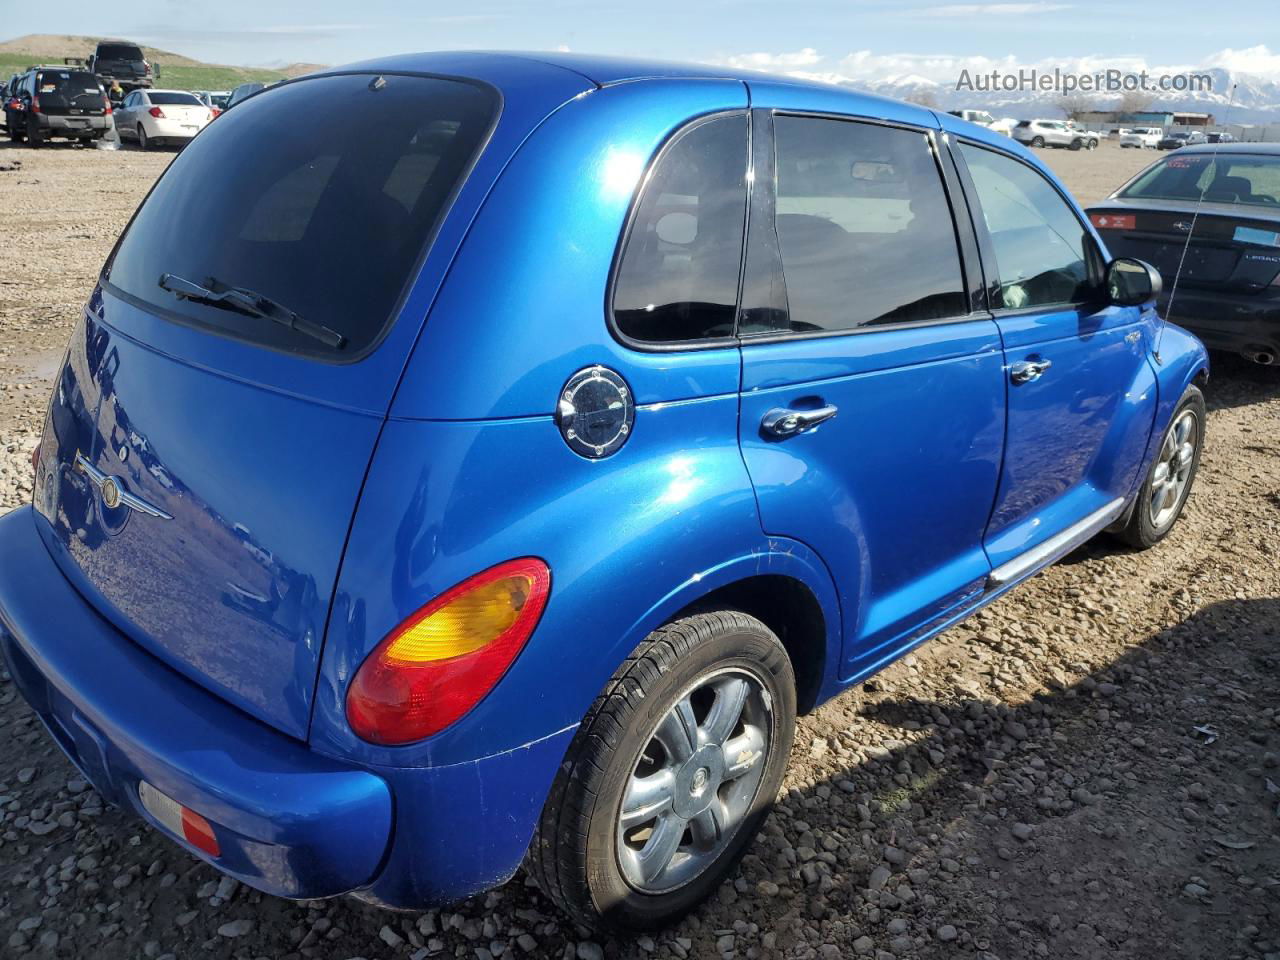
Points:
x=250 y=303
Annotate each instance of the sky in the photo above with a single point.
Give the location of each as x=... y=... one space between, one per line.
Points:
x=856 y=39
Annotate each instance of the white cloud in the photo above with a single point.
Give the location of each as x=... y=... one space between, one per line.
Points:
x=865 y=66
x=777 y=62
x=993 y=9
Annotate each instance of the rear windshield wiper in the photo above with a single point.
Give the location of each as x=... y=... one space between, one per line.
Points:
x=250 y=303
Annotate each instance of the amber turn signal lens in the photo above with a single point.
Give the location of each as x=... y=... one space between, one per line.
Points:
x=443 y=660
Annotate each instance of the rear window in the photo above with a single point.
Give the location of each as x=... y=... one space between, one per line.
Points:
x=66 y=82
x=119 y=51
x=175 y=99
x=328 y=226
x=1252 y=179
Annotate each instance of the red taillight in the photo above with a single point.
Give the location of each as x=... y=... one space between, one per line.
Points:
x=106 y=102
x=1113 y=221
x=443 y=660
x=159 y=114
x=35 y=104
x=215 y=113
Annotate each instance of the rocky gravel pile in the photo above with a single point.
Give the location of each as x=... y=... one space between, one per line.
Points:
x=1089 y=768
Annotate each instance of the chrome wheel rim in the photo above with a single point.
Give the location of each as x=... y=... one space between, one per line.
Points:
x=1172 y=471
x=694 y=781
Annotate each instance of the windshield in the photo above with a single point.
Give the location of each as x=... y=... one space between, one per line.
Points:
x=329 y=228
x=119 y=51
x=175 y=99
x=1252 y=179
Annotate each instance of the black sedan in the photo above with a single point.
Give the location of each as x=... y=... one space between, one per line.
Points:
x=1214 y=209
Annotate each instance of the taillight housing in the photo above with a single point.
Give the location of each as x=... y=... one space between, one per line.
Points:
x=440 y=662
x=106 y=103
x=35 y=104
x=159 y=114
x=1113 y=221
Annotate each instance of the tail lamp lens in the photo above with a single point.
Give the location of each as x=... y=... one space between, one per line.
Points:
x=1113 y=221
x=157 y=113
x=445 y=658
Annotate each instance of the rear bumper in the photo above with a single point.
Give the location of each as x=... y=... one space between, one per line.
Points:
x=1229 y=322
x=171 y=130
x=288 y=821
x=56 y=126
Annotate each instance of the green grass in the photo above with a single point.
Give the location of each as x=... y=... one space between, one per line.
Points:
x=176 y=78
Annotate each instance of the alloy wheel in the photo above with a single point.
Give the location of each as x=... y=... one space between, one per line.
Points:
x=694 y=782
x=1173 y=468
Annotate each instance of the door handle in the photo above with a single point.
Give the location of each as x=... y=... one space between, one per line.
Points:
x=781 y=422
x=1024 y=371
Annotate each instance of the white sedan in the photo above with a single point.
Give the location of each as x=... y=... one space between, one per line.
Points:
x=161 y=116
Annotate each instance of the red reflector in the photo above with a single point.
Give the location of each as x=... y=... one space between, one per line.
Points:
x=1113 y=221
x=199 y=833
x=179 y=820
x=443 y=660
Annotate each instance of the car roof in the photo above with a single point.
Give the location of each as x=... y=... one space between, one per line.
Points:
x=600 y=71
x=1266 y=149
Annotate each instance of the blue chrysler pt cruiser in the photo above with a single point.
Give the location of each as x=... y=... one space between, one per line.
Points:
x=493 y=481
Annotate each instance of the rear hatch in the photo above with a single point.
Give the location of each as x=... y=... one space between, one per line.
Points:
x=204 y=452
x=70 y=93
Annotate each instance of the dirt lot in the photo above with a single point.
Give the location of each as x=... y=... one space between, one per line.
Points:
x=1086 y=769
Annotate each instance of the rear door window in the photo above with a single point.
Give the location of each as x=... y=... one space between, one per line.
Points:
x=677 y=280
x=119 y=51
x=863 y=226
x=327 y=226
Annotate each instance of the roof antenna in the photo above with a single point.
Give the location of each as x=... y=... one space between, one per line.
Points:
x=1195 y=214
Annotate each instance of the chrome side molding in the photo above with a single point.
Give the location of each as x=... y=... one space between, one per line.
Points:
x=1057 y=546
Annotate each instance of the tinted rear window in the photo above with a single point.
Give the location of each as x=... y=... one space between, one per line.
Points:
x=119 y=51
x=1227 y=178
x=329 y=224
x=66 y=82
x=175 y=99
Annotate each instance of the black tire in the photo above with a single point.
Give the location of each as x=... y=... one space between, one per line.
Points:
x=35 y=138
x=1076 y=144
x=1093 y=143
x=143 y=142
x=1142 y=530
x=574 y=856
x=1037 y=141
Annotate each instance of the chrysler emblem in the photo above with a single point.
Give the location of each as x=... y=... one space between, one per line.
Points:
x=112 y=492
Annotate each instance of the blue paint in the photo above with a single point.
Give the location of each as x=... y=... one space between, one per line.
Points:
x=316 y=505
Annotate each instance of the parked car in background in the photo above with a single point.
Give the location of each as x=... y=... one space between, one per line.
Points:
x=1142 y=137
x=1004 y=126
x=1053 y=133
x=1220 y=205
x=980 y=117
x=8 y=91
x=243 y=92
x=57 y=102
x=384 y=603
x=1115 y=133
x=1219 y=138
x=215 y=100
x=154 y=117
x=1180 y=138
x=121 y=61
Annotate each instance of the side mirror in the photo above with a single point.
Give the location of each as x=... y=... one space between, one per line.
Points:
x=1131 y=283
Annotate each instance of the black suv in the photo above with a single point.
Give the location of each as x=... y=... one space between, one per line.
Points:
x=7 y=92
x=57 y=102
x=114 y=60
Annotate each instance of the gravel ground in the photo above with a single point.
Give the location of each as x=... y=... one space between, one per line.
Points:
x=1086 y=769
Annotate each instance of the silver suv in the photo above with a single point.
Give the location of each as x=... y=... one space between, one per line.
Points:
x=1053 y=133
